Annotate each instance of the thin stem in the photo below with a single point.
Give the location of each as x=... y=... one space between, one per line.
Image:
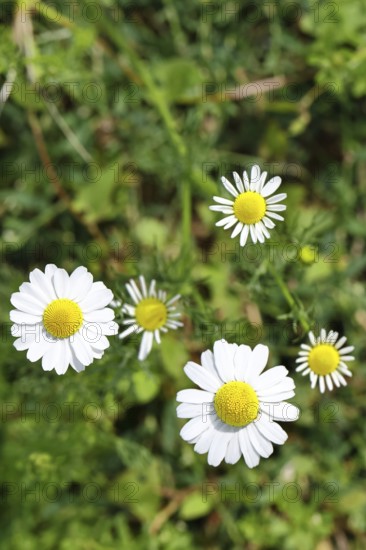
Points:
x=289 y=298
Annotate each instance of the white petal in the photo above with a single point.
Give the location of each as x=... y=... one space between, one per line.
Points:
x=221 y=200
x=268 y=222
x=346 y=350
x=96 y=299
x=321 y=384
x=143 y=286
x=200 y=376
x=280 y=388
x=328 y=380
x=255 y=177
x=253 y=233
x=276 y=198
x=263 y=228
x=224 y=354
x=260 y=443
x=271 y=430
x=50 y=270
x=230 y=223
x=244 y=235
x=64 y=358
x=271 y=186
x=195 y=396
x=193 y=428
x=34 y=292
x=38 y=349
x=27 y=303
x=80 y=283
x=246 y=181
x=39 y=279
x=239 y=183
x=261 y=182
x=61 y=283
x=221 y=208
x=275 y=216
x=190 y=410
x=205 y=439
x=146 y=345
x=22 y=318
x=226 y=220
x=251 y=456
x=242 y=361
x=233 y=451
x=229 y=187
x=208 y=362
x=237 y=229
x=152 y=289
x=282 y=411
x=217 y=451
x=258 y=361
x=82 y=349
x=276 y=208
x=340 y=342
x=99 y=316
x=270 y=378
x=258 y=230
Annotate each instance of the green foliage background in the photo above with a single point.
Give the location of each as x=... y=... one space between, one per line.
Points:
x=121 y=118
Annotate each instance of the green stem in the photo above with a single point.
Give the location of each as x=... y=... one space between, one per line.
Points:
x=289 y=297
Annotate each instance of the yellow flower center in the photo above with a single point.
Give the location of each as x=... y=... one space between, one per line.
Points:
x=249 y=207
x=236 y=404
x=62 y=318
x=151 y=313
x=323 y=359
x=308 y=254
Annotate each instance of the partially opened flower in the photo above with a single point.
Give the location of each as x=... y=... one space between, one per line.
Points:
x=62 y=319
x=325 y=360
x=151 y=314
x=253 y=209
x=234 y=412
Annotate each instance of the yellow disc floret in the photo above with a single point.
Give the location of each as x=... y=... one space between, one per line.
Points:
x=308 y=254
x=62 y=318
x=151 y=313
x=323 y=359
x=249 y=207
x=236 y=404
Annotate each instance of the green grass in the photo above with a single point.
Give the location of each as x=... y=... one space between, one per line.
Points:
x=119 y=124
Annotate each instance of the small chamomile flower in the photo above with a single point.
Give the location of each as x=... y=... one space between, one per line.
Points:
x=325 y=360
x=253 y=209
x=62 y=319
x=151 y=314
x=234 y=412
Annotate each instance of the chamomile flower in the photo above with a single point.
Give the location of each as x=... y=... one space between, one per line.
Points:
x=62 y=319
x=324 y=360
x=234 y=412
x=151 y=314
x=253 y=209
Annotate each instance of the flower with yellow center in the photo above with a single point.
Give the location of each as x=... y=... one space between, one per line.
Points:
x=234 y=413
x=324 y=360
x=62 y=319
x=151 y=314
x=253 y=209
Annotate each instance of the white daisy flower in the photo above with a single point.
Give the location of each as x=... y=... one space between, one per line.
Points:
x=253 y=209
x=151 y=314
x=325 y=360
x=62 y=319
x=233 y=414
